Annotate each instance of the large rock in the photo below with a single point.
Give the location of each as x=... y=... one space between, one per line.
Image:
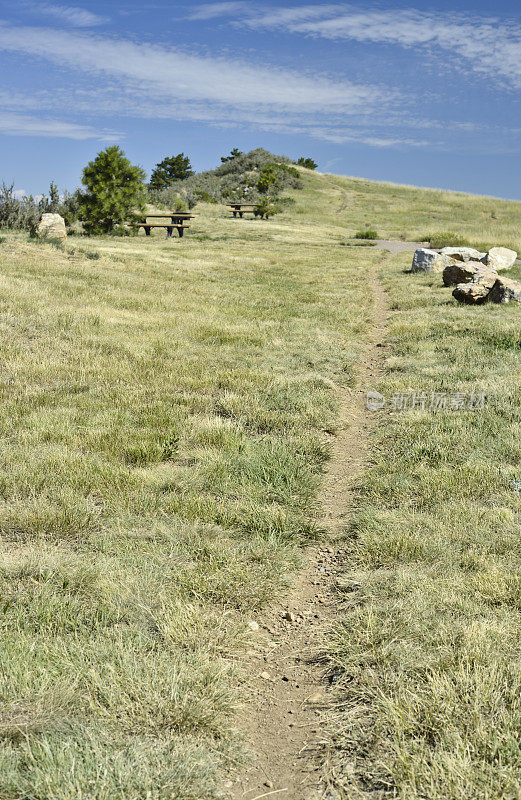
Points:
x=478 y=290
x=51 y=226
x=463 y=253
x=464 y=272
x=499 y=258
x=430 y=261
x=506 y=290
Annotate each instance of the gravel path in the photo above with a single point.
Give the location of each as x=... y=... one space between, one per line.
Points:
x=398 y=247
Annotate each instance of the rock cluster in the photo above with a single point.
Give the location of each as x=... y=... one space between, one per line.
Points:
x=474 y=274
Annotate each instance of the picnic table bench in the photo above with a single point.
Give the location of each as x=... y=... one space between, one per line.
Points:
x=242 y=208
x=177 y=220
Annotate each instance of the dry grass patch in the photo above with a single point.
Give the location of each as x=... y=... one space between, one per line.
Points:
x=162 y=409
x=429 y=649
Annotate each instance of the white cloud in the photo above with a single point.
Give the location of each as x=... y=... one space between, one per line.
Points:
x=70 y=15
x=489 y=46
x=25 y=125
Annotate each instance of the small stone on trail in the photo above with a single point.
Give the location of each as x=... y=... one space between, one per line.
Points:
x=268 y=784
x=316 y=698
x=252 y=625
x=290 y=616
x=266 y=676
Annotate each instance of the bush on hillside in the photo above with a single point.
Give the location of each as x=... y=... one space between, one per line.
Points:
x=266 y=208
x=446 y=239
x=308 y=163
x=369 y=233
x=114 y=192
x=234 y=153
x=250 y=162
x=203 y=187
x=234 y=180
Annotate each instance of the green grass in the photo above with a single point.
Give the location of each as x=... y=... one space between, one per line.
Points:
x=429 y=648
x=162 y=409
x=368 y=233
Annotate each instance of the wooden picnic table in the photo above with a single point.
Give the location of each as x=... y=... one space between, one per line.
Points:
x=242 y=208
x=177 y=220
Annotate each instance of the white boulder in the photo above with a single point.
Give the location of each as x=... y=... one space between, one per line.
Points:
x=463 y=253
x=426 y=260
x=51 y=226
x=499 y=258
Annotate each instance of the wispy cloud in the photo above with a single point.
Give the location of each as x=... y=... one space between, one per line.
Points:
x=173 y=74
x=216 y=10
x=70 y=15
x=488 y=45
x=26 y=125
x=150 y=81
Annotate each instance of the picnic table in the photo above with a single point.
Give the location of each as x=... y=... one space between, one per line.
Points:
x=242 y=208
x=177 y=220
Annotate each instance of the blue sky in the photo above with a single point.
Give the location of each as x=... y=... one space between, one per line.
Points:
x=428 y=94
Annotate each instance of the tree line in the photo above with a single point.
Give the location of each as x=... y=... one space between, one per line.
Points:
x=114 y=192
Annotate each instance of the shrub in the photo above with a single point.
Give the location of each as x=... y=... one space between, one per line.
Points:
x=268 y=180
x=266 y=208
x=169 y=170
x=307 y=162
x=115 y=192
x=446 y=239
x=250 y=162
x=369 y=233
x=19 y=213
x=24 y=213
x=234 y=154
x=53 y=202
x=70 y=207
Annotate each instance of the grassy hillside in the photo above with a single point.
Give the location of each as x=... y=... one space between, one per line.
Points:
x=163 y=408
x=408 y=212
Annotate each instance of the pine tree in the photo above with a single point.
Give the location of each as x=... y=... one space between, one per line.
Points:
x=114 y=192
x=173 y=168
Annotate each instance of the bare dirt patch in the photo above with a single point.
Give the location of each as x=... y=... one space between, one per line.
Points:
x=289 y=682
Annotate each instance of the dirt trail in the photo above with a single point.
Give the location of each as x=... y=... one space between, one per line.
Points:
x=289 y=685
